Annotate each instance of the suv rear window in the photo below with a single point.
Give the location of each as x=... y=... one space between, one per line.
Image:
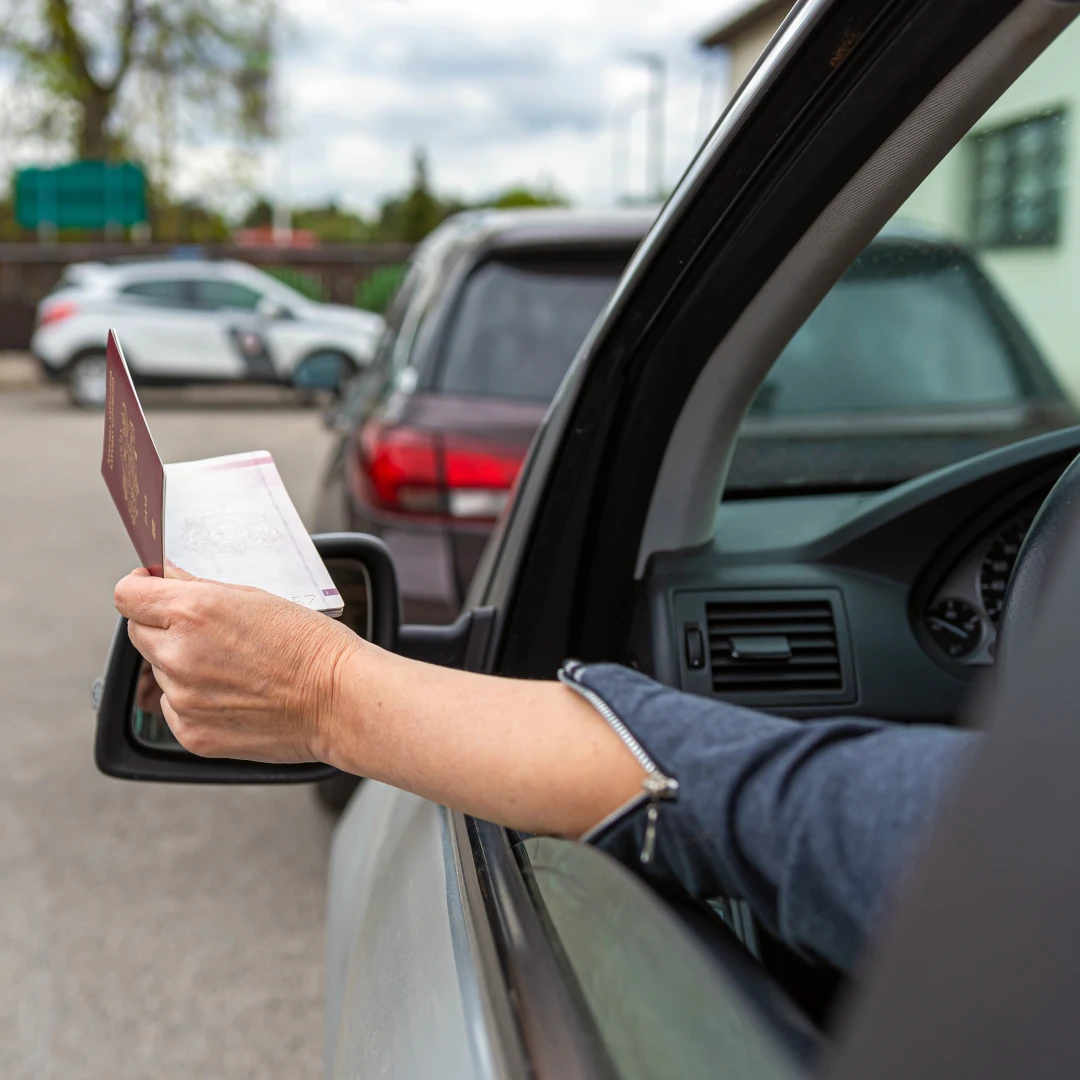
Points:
x=519 y=324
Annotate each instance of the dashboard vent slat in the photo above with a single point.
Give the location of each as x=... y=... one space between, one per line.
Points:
x=810 y=629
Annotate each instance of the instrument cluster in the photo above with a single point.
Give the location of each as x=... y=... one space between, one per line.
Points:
x=962 y=618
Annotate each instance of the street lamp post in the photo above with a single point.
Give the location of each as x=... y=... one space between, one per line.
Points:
x=657 y=92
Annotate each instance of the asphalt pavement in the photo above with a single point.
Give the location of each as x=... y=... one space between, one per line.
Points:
x=145 y=930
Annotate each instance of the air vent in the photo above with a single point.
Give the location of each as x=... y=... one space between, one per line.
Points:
x=774 y=647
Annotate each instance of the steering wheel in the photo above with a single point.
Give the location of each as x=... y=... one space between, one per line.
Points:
x=1034 y=560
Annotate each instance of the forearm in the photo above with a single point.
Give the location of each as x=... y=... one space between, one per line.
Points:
x=532 y=755
x=812 y=822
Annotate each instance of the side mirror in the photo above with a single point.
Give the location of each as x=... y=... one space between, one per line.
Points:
x=322 y=371
x=134 y=742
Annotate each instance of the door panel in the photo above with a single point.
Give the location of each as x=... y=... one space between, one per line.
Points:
x=176 y=343
x=402 y=992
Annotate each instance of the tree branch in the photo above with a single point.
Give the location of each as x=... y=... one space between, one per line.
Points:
x=62 y=29
x=129 y=25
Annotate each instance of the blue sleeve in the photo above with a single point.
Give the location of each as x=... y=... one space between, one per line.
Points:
x=811 y=822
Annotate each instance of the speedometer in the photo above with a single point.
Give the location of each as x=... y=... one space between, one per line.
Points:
x=998 y=563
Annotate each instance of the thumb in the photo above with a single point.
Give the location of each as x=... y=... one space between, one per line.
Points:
x=174 y=571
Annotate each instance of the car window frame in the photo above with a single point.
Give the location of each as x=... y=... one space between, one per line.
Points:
x=770 y=180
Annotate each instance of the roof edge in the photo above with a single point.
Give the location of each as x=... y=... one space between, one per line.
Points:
x=730 y=28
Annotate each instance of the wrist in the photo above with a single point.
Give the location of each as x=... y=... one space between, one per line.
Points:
x=330 y=709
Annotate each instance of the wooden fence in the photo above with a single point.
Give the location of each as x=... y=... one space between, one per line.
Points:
x=335 y=273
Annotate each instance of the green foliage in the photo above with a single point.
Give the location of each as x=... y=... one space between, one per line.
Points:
x=187 y=222
x=9 y=229
x=333 y=225
x=260 y=214
x=410 y=217
x=378 y=291
x=521 y=196
x=303 y=281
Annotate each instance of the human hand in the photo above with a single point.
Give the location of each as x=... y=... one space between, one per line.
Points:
x=243 y=673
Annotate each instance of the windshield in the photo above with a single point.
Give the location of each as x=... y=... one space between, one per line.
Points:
x=953 y=332
x=519 y=325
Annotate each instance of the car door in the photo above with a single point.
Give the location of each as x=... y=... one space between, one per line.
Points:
x=458 y=950
x=166 y=336
x=230 y=311
x=631 y=461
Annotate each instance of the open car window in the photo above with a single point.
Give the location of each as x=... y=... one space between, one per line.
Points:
x=953 y=332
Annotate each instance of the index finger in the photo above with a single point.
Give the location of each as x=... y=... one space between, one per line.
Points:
x=146 y=599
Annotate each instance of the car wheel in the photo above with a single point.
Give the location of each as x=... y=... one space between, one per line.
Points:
x=334 y=793
x=86 y=381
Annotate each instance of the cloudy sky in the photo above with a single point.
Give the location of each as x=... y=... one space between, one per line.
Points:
x=497 y=93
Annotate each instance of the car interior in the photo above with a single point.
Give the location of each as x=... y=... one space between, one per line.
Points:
x=884 y=601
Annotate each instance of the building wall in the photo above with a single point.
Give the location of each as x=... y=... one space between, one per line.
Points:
x=748 y=46
x=1042 y=283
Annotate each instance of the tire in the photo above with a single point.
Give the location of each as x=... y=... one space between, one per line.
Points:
x=86 y=381
x=334 y=794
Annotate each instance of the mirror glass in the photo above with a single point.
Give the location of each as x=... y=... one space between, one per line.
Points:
x=148 y=725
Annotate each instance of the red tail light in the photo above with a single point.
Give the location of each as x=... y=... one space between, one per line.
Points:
x=435 y=475
x=58 y=312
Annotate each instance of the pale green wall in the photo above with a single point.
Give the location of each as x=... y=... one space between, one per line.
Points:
x=1043 y=283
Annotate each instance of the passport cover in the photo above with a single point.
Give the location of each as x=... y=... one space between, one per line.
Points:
x=130 y=462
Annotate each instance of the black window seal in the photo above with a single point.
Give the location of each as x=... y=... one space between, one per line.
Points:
x=552 y=1028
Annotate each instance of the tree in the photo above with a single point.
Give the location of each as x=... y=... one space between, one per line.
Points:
x=332 y=224
x=260 y=214
x=89 y=57
x=412 y=216
x=520 y=196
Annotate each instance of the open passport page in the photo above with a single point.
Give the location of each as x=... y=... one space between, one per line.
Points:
x=226 y=518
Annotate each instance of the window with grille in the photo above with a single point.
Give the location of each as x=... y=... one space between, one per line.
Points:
x=1018 y=182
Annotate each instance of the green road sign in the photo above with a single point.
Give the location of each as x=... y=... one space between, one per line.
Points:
x=84 y=195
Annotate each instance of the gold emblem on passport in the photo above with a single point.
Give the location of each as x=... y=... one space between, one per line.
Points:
x=129 y=464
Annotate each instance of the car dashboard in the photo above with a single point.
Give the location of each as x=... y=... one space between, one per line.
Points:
x=884 y=604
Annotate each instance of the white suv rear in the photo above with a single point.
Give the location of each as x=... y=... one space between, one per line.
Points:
x=194 y=320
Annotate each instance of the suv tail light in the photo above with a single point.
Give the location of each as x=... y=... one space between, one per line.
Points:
x=431 y=474
x=58 y=312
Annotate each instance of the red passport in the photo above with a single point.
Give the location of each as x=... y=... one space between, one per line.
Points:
x=131 y=464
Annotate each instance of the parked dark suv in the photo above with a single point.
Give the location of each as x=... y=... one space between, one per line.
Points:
x=913 y=360
x=494 y=307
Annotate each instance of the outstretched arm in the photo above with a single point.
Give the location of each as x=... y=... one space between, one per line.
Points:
x=247 y=675
x=811 y=822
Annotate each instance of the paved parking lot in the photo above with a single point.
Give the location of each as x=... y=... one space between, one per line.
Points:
x=145 y=931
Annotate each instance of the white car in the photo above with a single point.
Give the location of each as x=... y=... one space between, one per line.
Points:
x=195 y=320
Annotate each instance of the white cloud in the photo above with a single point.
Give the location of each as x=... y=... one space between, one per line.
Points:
x=496 y=93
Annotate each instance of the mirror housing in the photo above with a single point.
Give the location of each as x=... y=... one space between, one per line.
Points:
x=269 y=308
x=119 y=752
